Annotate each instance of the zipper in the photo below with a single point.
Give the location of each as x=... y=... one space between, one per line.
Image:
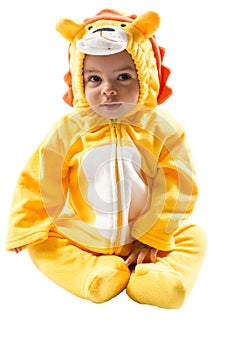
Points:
x=114 y=126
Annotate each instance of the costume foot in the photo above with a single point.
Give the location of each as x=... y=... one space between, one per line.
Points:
x=156 y=285
x=108 y=278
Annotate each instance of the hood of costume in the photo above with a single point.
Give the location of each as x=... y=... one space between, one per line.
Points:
x=107 y=33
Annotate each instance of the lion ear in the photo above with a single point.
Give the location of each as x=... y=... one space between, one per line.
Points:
x=68 y=29
x=147 y=23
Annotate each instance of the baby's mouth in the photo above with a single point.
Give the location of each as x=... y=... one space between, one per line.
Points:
x=111 y=106
x=113 y=109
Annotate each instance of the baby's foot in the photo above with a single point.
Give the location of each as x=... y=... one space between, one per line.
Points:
x=157 y=285
x=108 y=278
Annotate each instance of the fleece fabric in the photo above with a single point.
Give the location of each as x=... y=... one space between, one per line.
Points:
x=95 y=186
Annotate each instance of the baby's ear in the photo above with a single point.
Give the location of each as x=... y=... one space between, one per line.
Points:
x=147 y=23
x=68 y=29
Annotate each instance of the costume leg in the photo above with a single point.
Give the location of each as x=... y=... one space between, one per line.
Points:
x=168 y=282
x=96 y=278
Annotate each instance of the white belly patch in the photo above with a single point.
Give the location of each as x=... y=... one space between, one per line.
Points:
x=116 y=189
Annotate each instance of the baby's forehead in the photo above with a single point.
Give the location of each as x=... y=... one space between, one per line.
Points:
x=118 y=61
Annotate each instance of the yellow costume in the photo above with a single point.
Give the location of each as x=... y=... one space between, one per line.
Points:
x=97 y=186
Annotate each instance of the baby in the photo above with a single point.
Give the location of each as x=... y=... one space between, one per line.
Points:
x=102 y=203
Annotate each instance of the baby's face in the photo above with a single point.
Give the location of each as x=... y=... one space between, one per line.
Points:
x=110 y=80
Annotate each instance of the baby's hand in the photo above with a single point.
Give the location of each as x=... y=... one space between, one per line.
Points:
x=142 y=253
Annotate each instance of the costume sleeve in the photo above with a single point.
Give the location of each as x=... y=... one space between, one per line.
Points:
x=174 y=193
x=39 y=195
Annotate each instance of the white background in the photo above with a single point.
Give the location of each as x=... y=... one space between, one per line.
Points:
x=35 y=313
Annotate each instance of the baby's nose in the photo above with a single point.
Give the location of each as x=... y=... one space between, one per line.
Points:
x=109 y=90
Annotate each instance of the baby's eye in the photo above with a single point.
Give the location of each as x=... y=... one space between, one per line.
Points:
x=94 y=78
x=124 y=76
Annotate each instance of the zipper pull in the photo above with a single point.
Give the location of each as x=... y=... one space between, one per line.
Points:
x=114 y=123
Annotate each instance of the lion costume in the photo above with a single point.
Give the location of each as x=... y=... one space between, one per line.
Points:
x=96 y=186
